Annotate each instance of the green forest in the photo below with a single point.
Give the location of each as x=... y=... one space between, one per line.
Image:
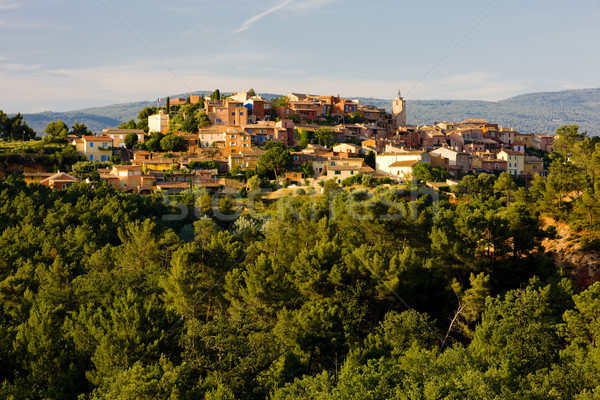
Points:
x=366 y=293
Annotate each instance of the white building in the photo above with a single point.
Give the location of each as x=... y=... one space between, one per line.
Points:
x=384 y=162
x=158 y=122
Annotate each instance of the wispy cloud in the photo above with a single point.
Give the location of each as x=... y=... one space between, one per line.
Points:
x=247 y=24
x=309 y=4
x=22 y=25
x=9 y=4
x=19 y=68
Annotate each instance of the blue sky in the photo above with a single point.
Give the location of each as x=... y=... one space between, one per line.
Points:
x=66 y=54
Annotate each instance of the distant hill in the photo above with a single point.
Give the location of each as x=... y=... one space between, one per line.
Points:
x=534 y=112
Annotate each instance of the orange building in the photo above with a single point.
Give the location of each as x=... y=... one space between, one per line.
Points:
x=236 y=141
x=226 y=112
x=59 y=180
x=128 y=178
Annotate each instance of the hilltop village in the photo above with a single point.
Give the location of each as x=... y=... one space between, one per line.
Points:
x=301 y=246
x=202 y=140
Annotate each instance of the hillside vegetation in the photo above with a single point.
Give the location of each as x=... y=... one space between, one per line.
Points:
x=349 y=294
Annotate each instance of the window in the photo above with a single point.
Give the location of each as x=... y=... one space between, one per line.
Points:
x=218 y=119
x=332 y=163
x=351 y=172
x=249 y=130
x=91 y=157
x=338 y=172
x=92 y=144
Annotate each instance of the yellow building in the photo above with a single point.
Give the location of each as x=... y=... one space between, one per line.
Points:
x=159 y=165
x=534 y=166
x=118 y=135
x=245 y=159
x=341 y=172
x=515 y=161
x=524 y=138
x=35 y=177
x=95 y=148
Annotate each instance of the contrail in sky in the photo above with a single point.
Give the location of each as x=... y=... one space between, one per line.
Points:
x=255 y=18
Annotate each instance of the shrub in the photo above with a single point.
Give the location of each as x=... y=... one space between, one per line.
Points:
x=588 y=243
x=366 y=180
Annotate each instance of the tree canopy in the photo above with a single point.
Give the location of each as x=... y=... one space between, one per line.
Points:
x=56 y=132
x=172 y=142
x=130 y=140
x=14 y=128
x=276 y=159
x=349 y=293
x=326 y=137
x=80 y=130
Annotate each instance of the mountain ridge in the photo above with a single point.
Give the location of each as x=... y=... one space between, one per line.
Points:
x=529 y=112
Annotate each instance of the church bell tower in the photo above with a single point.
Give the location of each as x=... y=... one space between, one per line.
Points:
x=399 y=111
